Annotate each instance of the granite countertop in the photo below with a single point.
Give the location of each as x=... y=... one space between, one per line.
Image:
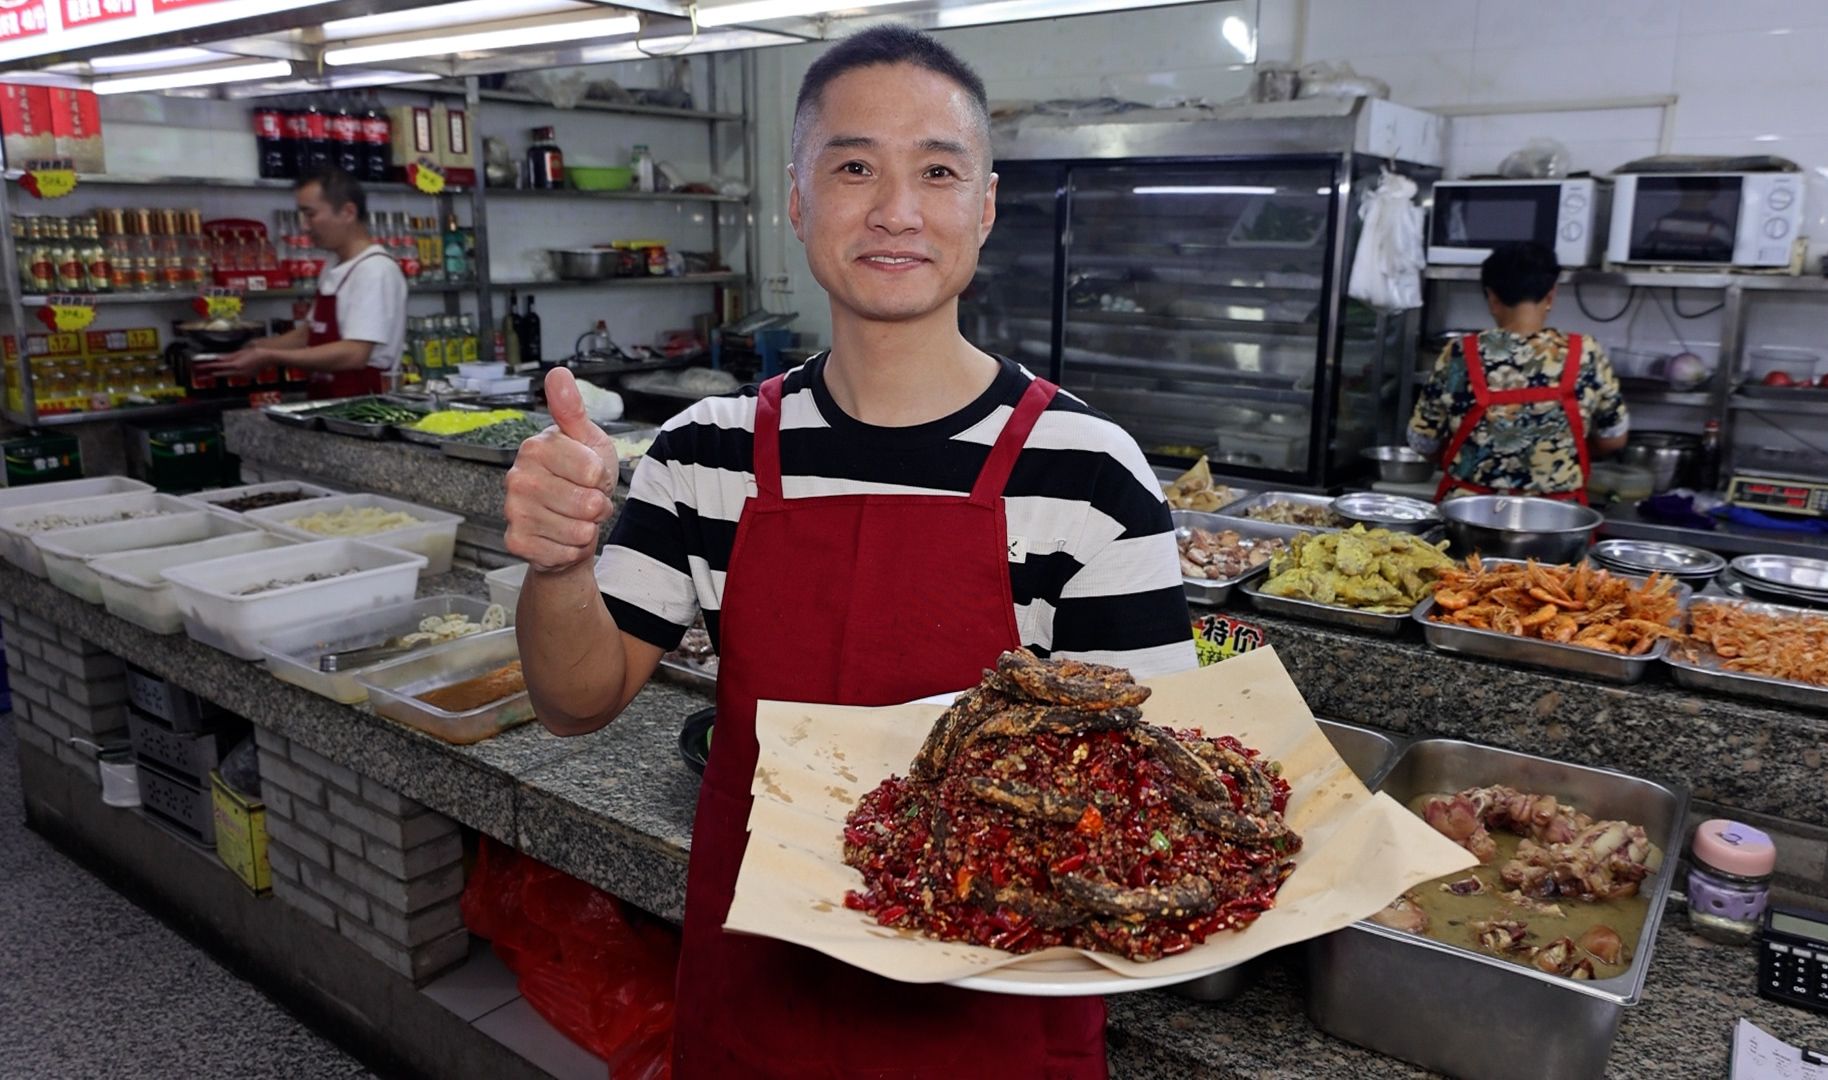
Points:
x=615 y=808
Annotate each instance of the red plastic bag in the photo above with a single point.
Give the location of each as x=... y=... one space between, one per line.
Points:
x=598 y=970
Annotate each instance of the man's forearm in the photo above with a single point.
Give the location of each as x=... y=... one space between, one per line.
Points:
x=294 y=338
x=334 y=356
x=571 y=650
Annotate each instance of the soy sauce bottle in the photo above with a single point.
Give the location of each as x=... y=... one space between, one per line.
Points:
x=530 y=353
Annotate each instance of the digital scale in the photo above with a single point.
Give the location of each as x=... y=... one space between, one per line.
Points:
x=1779 y=494
x=1793 y=957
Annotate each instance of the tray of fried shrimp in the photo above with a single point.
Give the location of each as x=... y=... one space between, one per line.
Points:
x=1580 y=620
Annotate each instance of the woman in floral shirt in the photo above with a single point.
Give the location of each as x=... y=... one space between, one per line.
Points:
x=1515 y=418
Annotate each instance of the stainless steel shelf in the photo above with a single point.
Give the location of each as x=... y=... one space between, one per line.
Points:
x=629 y=196
x=1659 y=279
x=624 y=282
x=127 y=414
x=1806 y=402
x=660 y=112
x=112 y=298
x=113 y=179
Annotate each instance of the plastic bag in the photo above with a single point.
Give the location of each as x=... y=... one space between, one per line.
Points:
x=1536 y=159
x=1387 y=268
x=599 y=971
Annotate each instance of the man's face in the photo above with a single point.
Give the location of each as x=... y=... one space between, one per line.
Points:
x=328 y=226
x=892 y=191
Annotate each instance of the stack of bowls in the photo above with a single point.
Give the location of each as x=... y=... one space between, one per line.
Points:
x=1519 y=527
x=1689 y=565
x=1783 y=579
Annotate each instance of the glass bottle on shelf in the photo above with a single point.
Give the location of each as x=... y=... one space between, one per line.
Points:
x=456 y=266
x=471 y=347
x=39 y=271
x=96 y=266
x=66 y=259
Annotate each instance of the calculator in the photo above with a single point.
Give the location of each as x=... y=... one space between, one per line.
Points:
x=1793 y=957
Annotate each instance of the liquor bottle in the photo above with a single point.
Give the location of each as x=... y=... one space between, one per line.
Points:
x=530 y=354
x=510 y=330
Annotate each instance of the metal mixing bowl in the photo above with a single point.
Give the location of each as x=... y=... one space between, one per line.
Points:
x=1519 y=527
x=1399 y=464
x=586 y=264
x=1376 y=510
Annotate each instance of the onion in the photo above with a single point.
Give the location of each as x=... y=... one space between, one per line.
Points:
x=1685 y=370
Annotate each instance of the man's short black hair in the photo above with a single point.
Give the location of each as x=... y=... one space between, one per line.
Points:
x=1520 y=273
x=888 y=44
x=339 y=188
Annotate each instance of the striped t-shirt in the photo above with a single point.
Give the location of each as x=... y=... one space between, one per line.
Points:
x=1101 y=576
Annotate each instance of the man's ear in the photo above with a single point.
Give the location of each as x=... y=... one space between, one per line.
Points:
x=794 y=210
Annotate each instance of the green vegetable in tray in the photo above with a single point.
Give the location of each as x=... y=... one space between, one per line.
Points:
x=508 y=433
x=372 y=411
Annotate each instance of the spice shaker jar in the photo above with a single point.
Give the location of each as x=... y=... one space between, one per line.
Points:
x=1730 y=880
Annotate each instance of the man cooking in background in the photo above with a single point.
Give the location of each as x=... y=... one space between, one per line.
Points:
x=1524 y=408
x=352 y=341
x=873 y=527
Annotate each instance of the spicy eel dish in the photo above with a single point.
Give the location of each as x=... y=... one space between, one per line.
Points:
x=1042 y=810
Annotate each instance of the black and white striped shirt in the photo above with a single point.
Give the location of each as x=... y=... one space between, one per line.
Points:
x=1100 y=578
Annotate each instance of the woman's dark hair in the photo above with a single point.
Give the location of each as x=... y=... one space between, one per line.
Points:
x=885 y=45
x=1519 y=273
x=339 y=189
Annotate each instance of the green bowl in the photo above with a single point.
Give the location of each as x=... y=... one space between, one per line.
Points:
x=600 y=177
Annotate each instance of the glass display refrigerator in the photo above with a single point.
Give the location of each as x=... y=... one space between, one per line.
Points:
x=1184 y=273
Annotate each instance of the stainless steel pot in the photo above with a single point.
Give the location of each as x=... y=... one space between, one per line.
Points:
x=586 y=264
x=1670 y=456
x=1519 y=527
x=1399 y=464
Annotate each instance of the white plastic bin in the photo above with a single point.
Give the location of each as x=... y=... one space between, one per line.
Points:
x=213 y=500
x=134 y=586
x=393 y=689
x=21 y=525
x=505 y=585
x=62 y=490
x=215 y=615
x=435 y=537
x=294 y=655
x=69 y=554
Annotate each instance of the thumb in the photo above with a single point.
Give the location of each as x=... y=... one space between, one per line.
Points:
x=566 y=405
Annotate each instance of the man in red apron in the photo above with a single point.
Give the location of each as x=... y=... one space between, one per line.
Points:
x=909 y=508
x=351 y=341
x=1522 y=409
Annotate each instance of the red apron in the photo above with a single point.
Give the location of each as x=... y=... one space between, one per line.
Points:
x=853 y=600
x=323 y=330
x=1567 y=392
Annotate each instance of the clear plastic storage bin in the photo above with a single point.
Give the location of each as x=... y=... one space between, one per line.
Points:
x=393 y=688
x=214 y=499
x=70 y=554
x=214 y=613
x=19 y=524
x=294 y=655
x=504 y=586
x=134 y=586
x=435 y=537
x=64 y=490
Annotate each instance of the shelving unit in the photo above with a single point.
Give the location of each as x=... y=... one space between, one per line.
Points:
x=482 y=287
x=1722 y=400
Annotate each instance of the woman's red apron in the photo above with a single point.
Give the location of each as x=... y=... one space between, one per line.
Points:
x=1567 y=392
x=853 y=600
x=323 y=330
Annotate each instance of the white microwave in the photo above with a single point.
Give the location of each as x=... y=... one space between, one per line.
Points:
x=1707 y=219
x=1472 y=217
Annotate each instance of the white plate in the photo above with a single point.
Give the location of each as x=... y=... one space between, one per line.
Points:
x=1070 y=976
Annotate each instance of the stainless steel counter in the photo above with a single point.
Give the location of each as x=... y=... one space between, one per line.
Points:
x=1624 y=522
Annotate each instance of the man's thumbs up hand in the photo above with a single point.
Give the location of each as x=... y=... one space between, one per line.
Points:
x=559 y=487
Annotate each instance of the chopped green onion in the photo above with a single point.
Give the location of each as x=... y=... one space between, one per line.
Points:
x=1160 y=842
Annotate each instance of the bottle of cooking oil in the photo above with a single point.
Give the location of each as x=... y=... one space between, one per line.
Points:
x=471 y=347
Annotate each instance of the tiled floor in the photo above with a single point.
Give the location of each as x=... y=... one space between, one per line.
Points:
x=483 y=992
x=91 y=986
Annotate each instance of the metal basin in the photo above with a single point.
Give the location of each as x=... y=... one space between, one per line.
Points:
x=1398 y=464
x=1376 y=510
x=1519 y=527
x=1369 y=754
x=586 y=264
x=1689 y=565
x=1383 y=989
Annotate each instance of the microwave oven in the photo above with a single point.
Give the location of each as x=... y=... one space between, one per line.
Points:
x=1707 y=219
x=1472 y=217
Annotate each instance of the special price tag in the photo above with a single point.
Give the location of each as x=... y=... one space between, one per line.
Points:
x=425 y=176
x=67 y=313
x=218 y=304
x=48 y=179
x=1219 y=637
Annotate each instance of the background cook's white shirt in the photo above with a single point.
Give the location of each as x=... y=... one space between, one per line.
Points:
x=370 y=296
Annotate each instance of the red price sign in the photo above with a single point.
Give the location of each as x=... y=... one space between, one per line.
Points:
x=173 y=5
x=22 y=18
x=83 y=12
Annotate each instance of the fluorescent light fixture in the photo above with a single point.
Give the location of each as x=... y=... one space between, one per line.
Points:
x=509 y=37
x=111 y=31
x=753 y=11
x=999 y=11
x=685 y=44
x=1207 y=189
x=348 y=81
x=447 y=16
x=204 y=76
x=1767 y=138
x=157 y=58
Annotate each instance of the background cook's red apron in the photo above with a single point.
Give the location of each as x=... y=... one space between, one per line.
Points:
x=853 y=600
x=1567 y=392
x=324 y=330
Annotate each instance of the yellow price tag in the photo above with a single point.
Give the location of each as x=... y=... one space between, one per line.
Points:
x=426 y=177
x=1220 y=637
x=222 y=307
x=49 y=183
x=66 y=314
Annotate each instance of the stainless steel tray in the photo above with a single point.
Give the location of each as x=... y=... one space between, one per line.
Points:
x=1549 y=655
x=355 y=428
x=687 y=674
x=457 y=447
x=1381 y=988
x=1706 y=672
x=300 y=414
x=423 y=438
x=1243 y=507
x=1369 y=621
x=1788 y=574
x=1209 y=591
